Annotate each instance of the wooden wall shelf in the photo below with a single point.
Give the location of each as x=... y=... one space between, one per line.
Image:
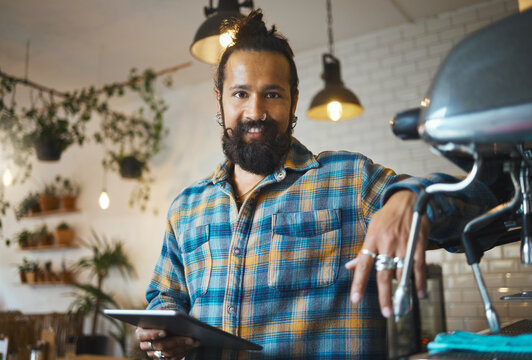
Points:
x=41 y=214
x=50 y=247
x=47 y=284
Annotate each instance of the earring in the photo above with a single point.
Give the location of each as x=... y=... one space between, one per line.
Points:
x=293 y=122
x=219 y=119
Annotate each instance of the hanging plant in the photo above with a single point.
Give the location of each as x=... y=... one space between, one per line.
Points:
x=131 y=141
x=47 y=129
x=56 y=120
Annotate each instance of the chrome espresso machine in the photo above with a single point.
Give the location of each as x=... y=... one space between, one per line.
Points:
x=478 y=114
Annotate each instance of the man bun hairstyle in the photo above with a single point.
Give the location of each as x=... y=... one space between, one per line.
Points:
x=250 y=33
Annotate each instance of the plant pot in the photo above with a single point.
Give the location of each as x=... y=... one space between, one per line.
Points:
x=67 y=277
x=23 y=278
x=93 y=344
x=33 y=241
x=39 y=276
x=131 y=167
x=46 y=240
x=68 y=202
x=49 y=277
x=63 y=237
x=48 y=202
x=30 y=277
x=49 y=150
x=34 y=210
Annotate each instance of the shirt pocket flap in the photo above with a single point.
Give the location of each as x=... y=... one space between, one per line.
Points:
x=306 y=224
x=194 y=238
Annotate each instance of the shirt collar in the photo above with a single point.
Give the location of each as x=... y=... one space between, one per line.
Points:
x=299 y=158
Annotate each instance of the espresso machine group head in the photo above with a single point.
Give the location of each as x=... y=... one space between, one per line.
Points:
x=478 y=114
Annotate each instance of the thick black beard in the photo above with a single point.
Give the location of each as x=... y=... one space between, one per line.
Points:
x=259 y=157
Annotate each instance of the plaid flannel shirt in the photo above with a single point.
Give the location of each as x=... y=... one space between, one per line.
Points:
x=273 y=271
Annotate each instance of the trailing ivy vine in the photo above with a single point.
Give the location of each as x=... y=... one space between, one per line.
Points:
x=60 y=119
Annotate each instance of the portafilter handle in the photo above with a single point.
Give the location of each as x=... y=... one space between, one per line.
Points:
x=402 y=297
x=526 y=236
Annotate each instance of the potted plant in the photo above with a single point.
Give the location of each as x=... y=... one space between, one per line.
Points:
x=43 y=236
x=28 y=206
x=63 y=235
x=48 y=199
x=68 y=191
x=25 y=239
x=67 y=275
x=51 y=134
x=23 y=269
x=90 y=299
x=48 y=275
x=130 y=166
x=131 y=141
x=33 y=272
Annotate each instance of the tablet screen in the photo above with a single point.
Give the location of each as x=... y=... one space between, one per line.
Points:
x=177 y=323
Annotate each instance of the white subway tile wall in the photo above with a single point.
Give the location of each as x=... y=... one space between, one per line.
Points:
x=390 y=71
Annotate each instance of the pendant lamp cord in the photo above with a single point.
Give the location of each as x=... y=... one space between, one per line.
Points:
x=329 y=27
x=27 y=62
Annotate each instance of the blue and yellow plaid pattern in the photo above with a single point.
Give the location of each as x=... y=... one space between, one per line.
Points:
x=273 y=271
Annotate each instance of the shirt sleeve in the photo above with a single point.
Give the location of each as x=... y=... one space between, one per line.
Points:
x=449 y=213
x=167 y=288
x=373 y=183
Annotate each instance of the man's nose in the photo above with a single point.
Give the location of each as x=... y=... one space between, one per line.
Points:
x=255 y=109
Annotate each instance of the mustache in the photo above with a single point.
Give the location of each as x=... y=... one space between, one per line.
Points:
x=243 y=127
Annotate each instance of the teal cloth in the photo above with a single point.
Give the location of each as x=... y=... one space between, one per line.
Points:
x=462 y=340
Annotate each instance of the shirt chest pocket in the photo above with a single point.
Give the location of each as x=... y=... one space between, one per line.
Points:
x=197 y=260
x=305 y=249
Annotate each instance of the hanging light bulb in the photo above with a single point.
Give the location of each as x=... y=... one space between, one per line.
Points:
x=334 y=110
x=209 y=44
x=104 y=200
x=226 y=38
x=335 y=102
x=7 y=177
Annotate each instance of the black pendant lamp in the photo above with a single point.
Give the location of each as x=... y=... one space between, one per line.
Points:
x=335 y=102
x=209 y=43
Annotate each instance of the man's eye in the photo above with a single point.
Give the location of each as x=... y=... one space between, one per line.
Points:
x=273 y=95
x=239 y=94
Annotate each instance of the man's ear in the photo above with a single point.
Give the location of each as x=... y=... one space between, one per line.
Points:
x=218 y=100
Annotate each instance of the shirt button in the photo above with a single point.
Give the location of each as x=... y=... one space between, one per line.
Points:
x=280 y=176
x=231 y=309
x=236 y=251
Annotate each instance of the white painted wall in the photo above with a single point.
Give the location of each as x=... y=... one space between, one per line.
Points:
x=389 y=70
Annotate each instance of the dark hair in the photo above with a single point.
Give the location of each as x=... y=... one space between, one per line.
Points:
x=250 y=33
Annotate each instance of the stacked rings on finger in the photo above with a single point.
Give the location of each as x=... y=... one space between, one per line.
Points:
x=368 y=252
x=399 y=262
x=159 y=355
x=384 y=262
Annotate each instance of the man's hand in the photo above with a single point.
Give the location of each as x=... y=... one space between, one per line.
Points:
x=174 y=347
x=388 y=235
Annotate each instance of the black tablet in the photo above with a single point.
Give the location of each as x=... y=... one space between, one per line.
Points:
x=177 y=323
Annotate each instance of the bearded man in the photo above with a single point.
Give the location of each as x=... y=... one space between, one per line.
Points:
x=264 y=247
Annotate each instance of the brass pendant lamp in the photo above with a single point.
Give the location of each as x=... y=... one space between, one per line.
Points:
x=335 y=102
x=209 y=43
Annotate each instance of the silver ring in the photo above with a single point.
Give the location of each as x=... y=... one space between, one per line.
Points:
x=384 y=262
x=399 y=262
x=368 y=252
x=150 y=347
x=159 y=355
